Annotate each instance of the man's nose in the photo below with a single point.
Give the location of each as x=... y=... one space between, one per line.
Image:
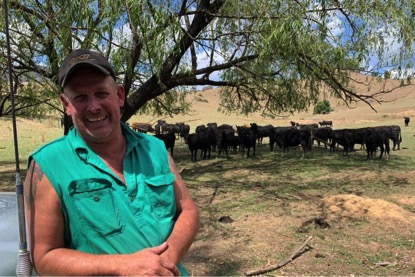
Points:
x=94 y=104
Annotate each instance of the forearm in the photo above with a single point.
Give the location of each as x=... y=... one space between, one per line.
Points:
x=62 y=261
x=183 y=234
x=187 y=222
x=146 y=262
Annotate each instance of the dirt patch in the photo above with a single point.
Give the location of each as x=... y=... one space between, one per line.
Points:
x=341 y=207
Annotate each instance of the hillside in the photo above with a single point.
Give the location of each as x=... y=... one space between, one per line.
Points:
x=393 y=107
x=359 y=214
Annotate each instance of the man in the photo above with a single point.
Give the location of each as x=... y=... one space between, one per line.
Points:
x=104 y=200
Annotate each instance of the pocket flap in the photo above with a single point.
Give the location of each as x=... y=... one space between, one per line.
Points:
x=88 y=185
x=160 y=180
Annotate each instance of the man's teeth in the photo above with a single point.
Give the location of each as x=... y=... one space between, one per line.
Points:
x=96 y=119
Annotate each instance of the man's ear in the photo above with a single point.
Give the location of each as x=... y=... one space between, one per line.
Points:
x=65 y=104
x=121 y=95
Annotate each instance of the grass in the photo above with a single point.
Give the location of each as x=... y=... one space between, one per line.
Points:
x=273 y=201
x=31 y=134
x=268 y=187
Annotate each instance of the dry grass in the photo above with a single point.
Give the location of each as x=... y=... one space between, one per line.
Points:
x=361 y=215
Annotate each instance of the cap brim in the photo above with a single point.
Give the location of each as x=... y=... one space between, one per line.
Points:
x=81 y=65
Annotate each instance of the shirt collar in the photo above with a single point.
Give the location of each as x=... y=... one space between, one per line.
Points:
x=81 y=147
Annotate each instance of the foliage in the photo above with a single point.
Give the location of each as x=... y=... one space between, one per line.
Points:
x=269 y=56
x=322 y=107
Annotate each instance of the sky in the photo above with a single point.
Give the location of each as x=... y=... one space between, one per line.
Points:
x=373 y=61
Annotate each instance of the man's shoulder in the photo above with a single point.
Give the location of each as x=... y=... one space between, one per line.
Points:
x=55 y=145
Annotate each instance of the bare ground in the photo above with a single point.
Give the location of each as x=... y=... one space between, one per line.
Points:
x=249 y=223
x=352 y=235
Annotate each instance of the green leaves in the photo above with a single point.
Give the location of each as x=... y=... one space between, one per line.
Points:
x=270 y=56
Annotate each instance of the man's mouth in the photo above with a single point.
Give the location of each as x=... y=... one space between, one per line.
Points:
x=95 y=119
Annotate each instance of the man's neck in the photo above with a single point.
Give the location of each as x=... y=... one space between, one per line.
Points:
x=112 y=154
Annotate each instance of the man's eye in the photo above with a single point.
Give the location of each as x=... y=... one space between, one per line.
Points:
x=102 y=95
x=79 y=98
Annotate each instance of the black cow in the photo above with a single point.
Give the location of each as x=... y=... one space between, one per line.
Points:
x=169 y=141
x=200 y=129
x=406 y=120
x=276 y=137
x=212 y=124
x=347 y=138
x=376 y=139
x=233 y=143
x=309 y=126
x=322 y=135
x=394 y=133
x=184 y=132
x=175 y=128
x=202 y=141
x=285 y=137
x=247 y=137
x=263 y=131
x=326 y=123
x=157 y=127
x=224 y=137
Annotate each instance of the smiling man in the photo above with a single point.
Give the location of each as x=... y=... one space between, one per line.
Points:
x=104 y=200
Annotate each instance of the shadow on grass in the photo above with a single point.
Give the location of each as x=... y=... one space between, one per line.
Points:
x=268 y=177
x=272 y=177
x=214 y=263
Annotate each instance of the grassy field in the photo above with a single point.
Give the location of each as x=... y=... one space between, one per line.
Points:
x=256 y=211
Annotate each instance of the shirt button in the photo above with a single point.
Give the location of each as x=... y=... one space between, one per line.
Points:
x=96 y=198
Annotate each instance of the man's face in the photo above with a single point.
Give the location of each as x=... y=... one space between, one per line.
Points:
x=93 y=100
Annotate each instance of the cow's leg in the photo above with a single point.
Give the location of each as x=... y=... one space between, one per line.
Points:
x=381 y=152
x=283 y=150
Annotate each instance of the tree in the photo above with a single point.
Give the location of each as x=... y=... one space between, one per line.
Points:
x=269 y=56
x=322 y=107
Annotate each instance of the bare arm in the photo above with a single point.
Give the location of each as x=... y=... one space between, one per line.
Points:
x=46 y=235
x=187 y=222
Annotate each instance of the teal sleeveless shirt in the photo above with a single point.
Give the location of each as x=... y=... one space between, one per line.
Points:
x=101 y=214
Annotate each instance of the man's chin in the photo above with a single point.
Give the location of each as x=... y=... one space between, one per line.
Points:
x=96 y=135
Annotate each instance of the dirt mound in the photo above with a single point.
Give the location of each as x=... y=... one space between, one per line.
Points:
x=339 y=207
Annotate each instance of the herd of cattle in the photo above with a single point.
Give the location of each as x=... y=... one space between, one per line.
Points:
x=225 y=138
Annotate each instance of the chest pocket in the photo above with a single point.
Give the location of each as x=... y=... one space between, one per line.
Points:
x=95 y=206
x=160 y=192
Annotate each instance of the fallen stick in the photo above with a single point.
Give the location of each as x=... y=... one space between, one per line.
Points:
x=281 y=264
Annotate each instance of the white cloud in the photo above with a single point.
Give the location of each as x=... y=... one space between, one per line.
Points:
x=335 y=26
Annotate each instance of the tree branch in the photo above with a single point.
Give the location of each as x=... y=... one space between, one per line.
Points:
x=293 y=256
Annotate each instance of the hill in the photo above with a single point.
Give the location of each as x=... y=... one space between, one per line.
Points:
x=391 y=108
x=360 y=215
